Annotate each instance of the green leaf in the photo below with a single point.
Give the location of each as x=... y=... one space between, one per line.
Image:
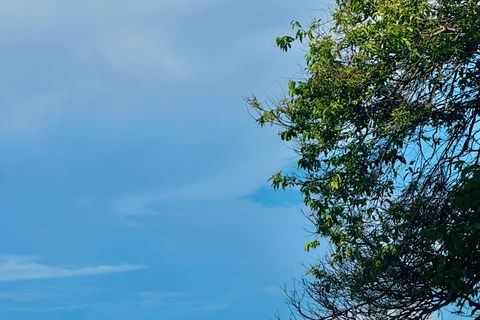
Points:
x=311 y=245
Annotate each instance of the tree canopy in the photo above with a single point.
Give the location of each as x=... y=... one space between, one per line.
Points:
x=385 y=124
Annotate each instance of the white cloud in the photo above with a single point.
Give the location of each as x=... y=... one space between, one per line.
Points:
x=25 y=309
x=86 y=13
x=157 y=298
x=211 y=307
x=270 y=290
x=127 y=36
x=13 y=268
x=29 y=114
x=27 y=12
x=242 y=176
x=141 y=50
x=25 y=296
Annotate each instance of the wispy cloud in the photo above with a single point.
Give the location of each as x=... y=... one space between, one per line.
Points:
x=68 y=308
x=177 y=301
x=117 y=32
x=13 y=268
x=270 y=290
x=229 y=182
x=143 y=51
x=157 y=298
x=211 y=307
x=26 y=296
x=28 y=114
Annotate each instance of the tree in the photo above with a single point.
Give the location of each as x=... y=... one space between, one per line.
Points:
x=385 y=123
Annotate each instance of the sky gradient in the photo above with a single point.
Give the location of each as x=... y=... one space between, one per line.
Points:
x=133 y=181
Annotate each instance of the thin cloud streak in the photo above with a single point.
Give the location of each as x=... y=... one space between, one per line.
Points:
x=28 y=296
x=211 y=307
x=157 y=298
x=14 y=268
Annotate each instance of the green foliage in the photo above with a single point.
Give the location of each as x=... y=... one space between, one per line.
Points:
x=311 y=245
x=385 y=122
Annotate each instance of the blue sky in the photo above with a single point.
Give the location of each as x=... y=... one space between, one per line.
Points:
x=133 y=182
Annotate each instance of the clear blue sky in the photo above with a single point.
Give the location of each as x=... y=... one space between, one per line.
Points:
x=133 y=182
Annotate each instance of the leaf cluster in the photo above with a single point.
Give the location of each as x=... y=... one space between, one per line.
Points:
x=385 y=124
